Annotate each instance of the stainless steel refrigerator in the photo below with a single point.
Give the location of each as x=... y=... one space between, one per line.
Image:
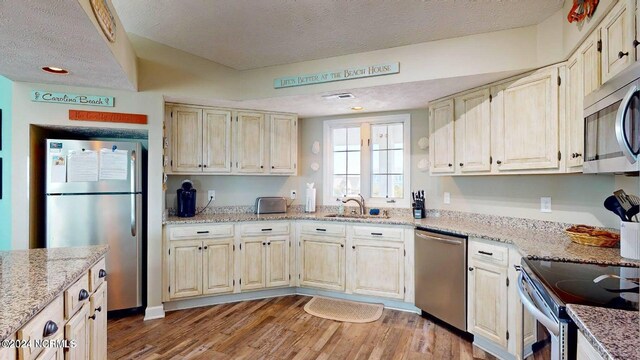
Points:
x=94 y=196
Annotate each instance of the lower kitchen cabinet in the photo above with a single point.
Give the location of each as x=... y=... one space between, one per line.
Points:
x=98 y=323
x=78 y=331
x=253 y=263
x=277 y=265
x=369 y=257
x=585 y=350
x=487 y=304
x=54 y=353
x=322 y=262
x=217 y=266
x=265 y=262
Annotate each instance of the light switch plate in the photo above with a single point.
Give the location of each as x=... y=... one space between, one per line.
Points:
x=293 y=195
x=447 y=198
x=545 y=204
x=211 y=195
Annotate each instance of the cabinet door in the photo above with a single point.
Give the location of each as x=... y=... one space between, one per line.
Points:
x=187 y=139
x=77 y=330
x=250 y=142
x=53 y=353
x=277 y=261
x=253 y=263
x=487 y=301
x=378 y=268
x=590 y=63
x=217 y=266
x=441 y=150
x=283 y=144
x=524 y=117
x=618 y=32
x=473 y=132
x=322 y=262
x=98 y=324
x=216 y=141
x=185 y=268
x=574 y=108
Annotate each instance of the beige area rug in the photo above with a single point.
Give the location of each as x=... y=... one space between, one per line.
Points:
x=343 y=310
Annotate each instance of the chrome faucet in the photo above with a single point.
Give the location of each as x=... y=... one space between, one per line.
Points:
x=360 y=203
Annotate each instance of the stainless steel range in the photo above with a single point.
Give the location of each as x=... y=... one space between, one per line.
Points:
x=546 y=287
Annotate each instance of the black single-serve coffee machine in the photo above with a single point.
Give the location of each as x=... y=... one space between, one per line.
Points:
x=186 y=199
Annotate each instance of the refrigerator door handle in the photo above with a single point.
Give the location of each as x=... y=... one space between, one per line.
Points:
x=134 y=210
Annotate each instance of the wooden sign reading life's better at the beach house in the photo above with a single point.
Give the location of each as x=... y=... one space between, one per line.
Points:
x=101 y=116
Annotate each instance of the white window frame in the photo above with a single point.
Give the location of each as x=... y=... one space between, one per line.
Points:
x=365 y=159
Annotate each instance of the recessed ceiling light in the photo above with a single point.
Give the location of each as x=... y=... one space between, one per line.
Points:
x=55 y=70
x=357 y=108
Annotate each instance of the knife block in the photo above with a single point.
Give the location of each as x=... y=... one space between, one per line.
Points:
x=630 y=240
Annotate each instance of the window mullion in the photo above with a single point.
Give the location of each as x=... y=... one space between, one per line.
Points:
x=365 y=160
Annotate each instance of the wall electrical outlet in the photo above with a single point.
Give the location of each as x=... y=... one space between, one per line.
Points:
x=211 y=195
x=545 y=204
x=293 y=195
x=447 y=198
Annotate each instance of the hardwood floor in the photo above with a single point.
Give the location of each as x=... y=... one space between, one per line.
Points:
x=279 y=328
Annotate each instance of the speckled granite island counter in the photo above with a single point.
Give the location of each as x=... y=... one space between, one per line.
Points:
x=614 y=334
x=30 y=279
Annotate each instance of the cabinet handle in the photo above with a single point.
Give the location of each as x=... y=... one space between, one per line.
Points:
x=461 y=164
x=99 y=309
x=202 y=232
x=376 y=234
x=50 y=328
x=498 y=162
x=578 y=155
x=83 y=295
x=622 y=54
x=636 y=43
x=450 y=165
x=267 y=229
x=341 y=245
x=321 y=229
x=485 y=253
x=353 y=247
x=92 y=317
x=102 y=273
x=470 y=268
x=574 y=155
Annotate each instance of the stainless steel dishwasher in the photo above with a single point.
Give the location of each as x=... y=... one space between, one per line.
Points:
x=441 y=276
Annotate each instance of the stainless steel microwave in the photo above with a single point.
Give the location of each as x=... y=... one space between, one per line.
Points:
x=612 y=125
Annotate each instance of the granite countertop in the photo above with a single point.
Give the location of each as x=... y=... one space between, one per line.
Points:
x=616 y=338
x=31 y=279
x=535 y=239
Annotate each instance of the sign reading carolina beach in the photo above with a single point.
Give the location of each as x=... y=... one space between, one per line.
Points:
x=337 y=75
x=64 y=98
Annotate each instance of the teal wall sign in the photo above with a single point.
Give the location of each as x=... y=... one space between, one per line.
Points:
x=64 y=98
x=337 y=75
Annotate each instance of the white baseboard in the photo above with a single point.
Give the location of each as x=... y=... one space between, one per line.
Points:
x=153 y=312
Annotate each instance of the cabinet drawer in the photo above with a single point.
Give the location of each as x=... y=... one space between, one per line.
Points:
x=489 y=252
x=97 y=275
x=76 y=296
x=9 y=353
x=51 y=318
x=200 y=232
x=370 y=232
x=323 y=229
x=266 y=229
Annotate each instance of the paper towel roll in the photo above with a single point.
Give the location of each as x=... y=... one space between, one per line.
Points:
x=310 y=202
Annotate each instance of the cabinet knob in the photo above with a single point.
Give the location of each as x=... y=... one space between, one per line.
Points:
x=341 y=245
x=50 y=328
x=204 y=165
x=206 y=247
x=92 y=317
x=199 y=247
x=200 y=165
x=573 y=155
x=83 y=295
x=636 y=43
x=273 y=167
x=578 y=155
x=461 y=164
x=102 y=273
x=99 y=309
x=450 y=165
x=261 y=167
x=470 y=268
x=264 y=243
x=353 y=247
x=269 y=243
x=498 y=162
x=622 y=54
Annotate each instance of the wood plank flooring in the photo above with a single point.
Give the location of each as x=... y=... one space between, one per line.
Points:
x=279 y=328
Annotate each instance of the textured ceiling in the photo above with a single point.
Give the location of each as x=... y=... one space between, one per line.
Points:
x=403 y=96
x=34 y=34
x=248 y=34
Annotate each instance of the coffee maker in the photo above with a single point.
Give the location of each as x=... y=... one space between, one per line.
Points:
x=186 y=199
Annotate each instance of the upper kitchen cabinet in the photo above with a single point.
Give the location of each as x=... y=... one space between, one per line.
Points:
x=575 y=82
x=441 y=147
x=617 y=31
x=283 y=147
x=589 y=54
x=201 y=140
x=250 y=142
x=473 y=132
x=525 y=122
x=187 y=139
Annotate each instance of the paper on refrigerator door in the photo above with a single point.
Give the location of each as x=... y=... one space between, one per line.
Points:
x=113 y=164
x=58 y=169
x=82 y=166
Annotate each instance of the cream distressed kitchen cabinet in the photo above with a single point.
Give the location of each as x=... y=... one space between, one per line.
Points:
x=322 y=262
x=525 y=120
x=441 y=140
x=78 y=330
x=368 y=258
x=252 y=252
x=574 y=110
x=185 y=268
x=265 y=255
x=589 y=54
x=618 y=30
x=98 y=323
x=473 y=132
x=283 y=145
x=250 y=142
x=201 y=140
x=217 y=266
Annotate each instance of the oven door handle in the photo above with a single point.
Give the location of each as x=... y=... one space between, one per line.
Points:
x=621 y=135
x=549 y=323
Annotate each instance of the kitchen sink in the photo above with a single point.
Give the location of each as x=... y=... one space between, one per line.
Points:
x=356 y=216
